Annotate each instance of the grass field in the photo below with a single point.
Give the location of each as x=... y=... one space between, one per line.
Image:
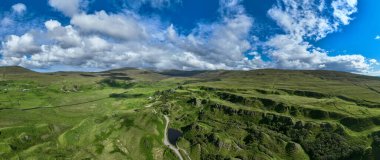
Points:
x=118 y=114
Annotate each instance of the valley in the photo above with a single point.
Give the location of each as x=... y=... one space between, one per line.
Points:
x=125 y=114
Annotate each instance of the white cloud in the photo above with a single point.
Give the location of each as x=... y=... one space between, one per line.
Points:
x=304 y=19
x=18 y=46
x=231 y=7
x=113 y=25
x=52 y=24
x=111 y=40
x=102 y=40
x=225 y=41
x=287 y=52
x=373 y=62
x=343 y=9
x=66 y=37
x=377 y=37
x=310 y=19
x=16 y=21
x=68 y=7
x=19 y=8
x=97 y=44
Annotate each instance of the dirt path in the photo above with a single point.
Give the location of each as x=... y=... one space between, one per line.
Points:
x=166 y=139
x=184 y=151
x=57 y=106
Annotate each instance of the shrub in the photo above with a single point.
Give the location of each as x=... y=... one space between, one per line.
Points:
x=117 y=83
x=332 y=146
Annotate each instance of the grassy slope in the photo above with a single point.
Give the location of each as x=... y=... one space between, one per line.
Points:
x=71 y=115
x=262 y=114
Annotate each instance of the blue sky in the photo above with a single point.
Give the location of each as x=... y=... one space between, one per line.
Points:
x=90 y=35
x=359 y=36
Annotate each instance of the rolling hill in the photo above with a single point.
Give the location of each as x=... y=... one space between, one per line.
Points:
x=258 y=114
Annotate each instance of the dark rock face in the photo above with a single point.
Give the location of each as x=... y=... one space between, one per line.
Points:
x=310 y=94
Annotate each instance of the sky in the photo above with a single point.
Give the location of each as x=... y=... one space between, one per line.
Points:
x=94 y=35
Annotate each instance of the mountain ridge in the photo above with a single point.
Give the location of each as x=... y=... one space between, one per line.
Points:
x=191 y=73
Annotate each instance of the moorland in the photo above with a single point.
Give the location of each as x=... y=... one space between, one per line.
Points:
x=125 y=113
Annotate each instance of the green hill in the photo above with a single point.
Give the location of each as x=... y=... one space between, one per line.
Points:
x=258 y=114
x=15 y=70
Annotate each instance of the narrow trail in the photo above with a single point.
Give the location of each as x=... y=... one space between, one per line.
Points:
x=166 y=139
x=184 y=151
x=57 y=106
x=172 y=147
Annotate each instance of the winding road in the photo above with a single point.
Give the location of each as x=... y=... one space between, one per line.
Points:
x=166 y=139
x=172 y=147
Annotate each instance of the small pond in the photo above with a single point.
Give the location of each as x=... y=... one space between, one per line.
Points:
x=174 y=135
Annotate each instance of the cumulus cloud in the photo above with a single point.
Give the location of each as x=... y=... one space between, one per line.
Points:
x=291 y=53
x=343 y=9
x=223 y=43
x=52 y=24
x=113 y=25
x=307 y=20
x=68 y=7
x=373 y=62
x=66 y=37
x=111 y=40
x=97 y=44
x=219 y=42
x=302 y=19
x=19 y=46
x=19 y=8
x=103 y=40
x=312 y=18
